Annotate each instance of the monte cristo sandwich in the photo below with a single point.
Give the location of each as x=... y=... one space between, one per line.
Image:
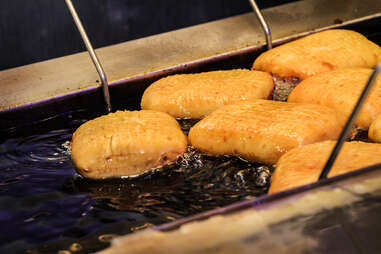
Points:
x=197 y=95
x=317 y=53
x=340 y=90
x=263 y=130
x=303 y=165
x=126 y=143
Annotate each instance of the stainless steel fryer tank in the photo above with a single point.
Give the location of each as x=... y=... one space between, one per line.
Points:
x=50 y=89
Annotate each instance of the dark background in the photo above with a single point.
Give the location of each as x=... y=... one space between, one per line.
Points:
x=37 y=30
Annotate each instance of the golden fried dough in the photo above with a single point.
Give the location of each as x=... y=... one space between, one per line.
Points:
x=197 y=95
x=340 y=90
x=319 y=52
x=303 y=165
x=126 y=143
x=374 y=132
x=263 y=130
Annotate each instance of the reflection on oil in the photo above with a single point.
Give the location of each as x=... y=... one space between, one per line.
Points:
x=196 y=183
x=55 y=209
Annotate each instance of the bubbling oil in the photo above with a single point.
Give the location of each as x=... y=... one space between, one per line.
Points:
x=55 y=209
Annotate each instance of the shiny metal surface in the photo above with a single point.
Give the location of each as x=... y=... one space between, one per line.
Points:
x=27 y=85
x=336 y=215
x=349 y=124
x=92 y=54
x=264 y=25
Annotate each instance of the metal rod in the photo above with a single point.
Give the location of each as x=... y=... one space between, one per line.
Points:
x=265 y=27
x=92 y=53
x=344 y=133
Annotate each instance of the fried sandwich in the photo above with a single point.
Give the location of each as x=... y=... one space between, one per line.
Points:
x=340 y=90
x=263 y=130
x=317 y=53
x=126 y=143
x=197 y=95
x=303 y=165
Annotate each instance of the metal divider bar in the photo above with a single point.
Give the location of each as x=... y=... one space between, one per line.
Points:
x=344 y=133
x=92 y=53
x=265 y=27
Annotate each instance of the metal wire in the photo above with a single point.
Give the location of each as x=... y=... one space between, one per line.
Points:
x=344 y=133
x=92 y=53
x=265 y=27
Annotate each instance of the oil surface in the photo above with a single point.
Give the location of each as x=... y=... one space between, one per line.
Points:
x=45 y=207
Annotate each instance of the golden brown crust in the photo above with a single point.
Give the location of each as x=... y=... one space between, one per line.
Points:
x=303 y=165
x=126 y=143
x=318 y=53
x=374 y=132
x=196 y=95
x=263 y=130
x=340 y=90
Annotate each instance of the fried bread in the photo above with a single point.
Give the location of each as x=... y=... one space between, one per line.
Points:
x=126 y=143
x=263 y=130
x=197 y=95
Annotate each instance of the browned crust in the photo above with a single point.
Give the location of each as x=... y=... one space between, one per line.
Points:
x=303 y=165
x=340 y=90
x=318 y=53
x=197 y=95
x=126 y=143
x=263 y=130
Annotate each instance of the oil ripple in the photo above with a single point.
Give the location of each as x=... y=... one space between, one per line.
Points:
x=53 y=146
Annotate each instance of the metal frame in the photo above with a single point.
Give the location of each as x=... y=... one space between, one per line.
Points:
x=98 y=66
x=93 y=55
x=50 y=82
x=265 y=27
